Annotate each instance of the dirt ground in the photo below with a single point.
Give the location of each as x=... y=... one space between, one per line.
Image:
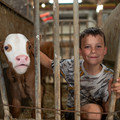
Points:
x=49 y=101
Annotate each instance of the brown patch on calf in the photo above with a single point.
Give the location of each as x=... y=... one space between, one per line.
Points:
x=28 y=47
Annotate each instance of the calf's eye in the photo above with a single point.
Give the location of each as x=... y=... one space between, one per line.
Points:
x=6 y=47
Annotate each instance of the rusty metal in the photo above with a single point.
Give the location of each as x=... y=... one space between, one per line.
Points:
x=76 y=59
x=56 y=59
x=116 y=75
x=37 y=61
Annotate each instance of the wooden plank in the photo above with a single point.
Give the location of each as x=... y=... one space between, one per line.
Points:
x=111 y=28
x=13 y=22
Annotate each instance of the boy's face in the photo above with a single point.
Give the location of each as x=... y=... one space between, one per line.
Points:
x=93 y=49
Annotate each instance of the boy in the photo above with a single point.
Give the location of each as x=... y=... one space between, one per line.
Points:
x=95 y=78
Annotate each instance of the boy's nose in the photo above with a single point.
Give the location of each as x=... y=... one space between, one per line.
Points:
x=93 y=50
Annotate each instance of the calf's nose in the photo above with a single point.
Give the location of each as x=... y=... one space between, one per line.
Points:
x=22 y=59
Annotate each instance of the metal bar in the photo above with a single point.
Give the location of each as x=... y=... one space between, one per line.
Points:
x=82 y=20
x=61 y=50
x=56 y=59
x=7 y=115
x=62 y=31
x=76 y=59
x=70 y=39
x=37 y=60
x=116 y=75
x=68 y=21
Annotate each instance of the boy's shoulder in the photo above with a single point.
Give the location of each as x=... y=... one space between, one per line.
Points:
x=66 y=62
x=107 y=69
x=69 y=61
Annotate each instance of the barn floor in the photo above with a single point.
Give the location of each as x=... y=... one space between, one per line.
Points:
x=48 y=103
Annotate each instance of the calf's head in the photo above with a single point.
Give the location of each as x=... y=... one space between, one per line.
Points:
x=16 y=48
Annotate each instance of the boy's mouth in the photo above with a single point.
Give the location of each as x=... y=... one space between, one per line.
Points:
x=93 y=57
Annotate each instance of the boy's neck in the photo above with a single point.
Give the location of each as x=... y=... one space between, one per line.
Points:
x=92 y=69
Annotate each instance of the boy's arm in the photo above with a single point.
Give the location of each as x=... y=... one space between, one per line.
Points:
x=45 y=60
x=112 y=87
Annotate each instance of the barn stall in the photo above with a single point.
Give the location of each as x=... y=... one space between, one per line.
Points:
x=47 y=96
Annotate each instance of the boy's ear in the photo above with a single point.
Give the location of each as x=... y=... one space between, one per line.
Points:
x=105 y=50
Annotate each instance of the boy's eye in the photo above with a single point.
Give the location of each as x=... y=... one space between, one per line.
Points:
x=98 y=46
x=87 y=46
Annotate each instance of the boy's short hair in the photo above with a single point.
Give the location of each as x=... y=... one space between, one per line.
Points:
x=91 y=31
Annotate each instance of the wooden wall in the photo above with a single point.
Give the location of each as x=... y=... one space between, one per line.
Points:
x=111 y=29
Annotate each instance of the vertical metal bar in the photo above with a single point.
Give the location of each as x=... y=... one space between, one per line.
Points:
x=7 y=115
x=56 y=59
x=70 y=39
x=37 y=61
x=116 y=75
x=61 y=39
x=62 y=31
x=76 y=59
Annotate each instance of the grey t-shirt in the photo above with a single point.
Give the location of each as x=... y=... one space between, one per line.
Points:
x=93 y=88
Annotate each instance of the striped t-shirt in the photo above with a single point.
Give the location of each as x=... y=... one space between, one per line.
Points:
x=93 y=88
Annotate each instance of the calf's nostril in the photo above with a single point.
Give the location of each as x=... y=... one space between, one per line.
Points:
x=18 y=58
x=26 y=58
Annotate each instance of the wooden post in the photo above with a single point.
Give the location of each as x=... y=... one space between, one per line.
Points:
x=56 y=59
x=37 y=61
x=76 y=59
x=7 y=114
x=116 y=75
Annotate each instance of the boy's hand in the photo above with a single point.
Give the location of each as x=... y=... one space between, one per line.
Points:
x=115 y=87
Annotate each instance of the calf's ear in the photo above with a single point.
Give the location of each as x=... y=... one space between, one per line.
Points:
x=3 y=57
x=1 y=46
x=30 y=48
